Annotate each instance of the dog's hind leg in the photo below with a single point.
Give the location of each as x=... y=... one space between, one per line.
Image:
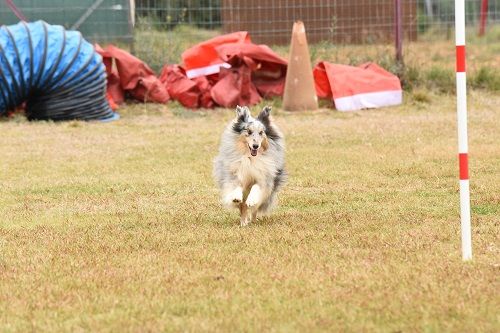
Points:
x=254 y=215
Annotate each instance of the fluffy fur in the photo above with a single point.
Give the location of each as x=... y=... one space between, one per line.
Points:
x=250 y=166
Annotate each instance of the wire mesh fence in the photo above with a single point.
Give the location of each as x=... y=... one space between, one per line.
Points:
x=98 y=20
x=268 y=21
x=174 y=25
x=159 y=30
x=343 y=21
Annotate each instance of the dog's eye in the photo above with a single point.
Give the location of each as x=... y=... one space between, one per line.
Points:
x=261 y=132
x=250 y=132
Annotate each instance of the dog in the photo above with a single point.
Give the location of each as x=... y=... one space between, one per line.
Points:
x=250 y=166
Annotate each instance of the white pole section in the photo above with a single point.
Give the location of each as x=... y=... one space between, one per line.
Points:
x=462 y=130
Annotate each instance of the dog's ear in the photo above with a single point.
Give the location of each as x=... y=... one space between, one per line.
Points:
x=263 y=117
x=242 y=115
x=242 y=112
x=264 y=114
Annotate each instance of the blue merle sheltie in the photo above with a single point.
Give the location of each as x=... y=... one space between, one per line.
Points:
x=250 y=166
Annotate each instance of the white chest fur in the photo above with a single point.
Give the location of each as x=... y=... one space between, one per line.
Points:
x=252 y=170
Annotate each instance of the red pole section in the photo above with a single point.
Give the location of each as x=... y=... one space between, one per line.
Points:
x=484 y=17
x=15 y=10
x=463 y=150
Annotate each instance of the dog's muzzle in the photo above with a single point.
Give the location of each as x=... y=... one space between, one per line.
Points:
x=254 y=149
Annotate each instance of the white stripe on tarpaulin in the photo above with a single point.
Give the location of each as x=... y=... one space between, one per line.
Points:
x=207 y=70
x=465 y=218
x=369 y=100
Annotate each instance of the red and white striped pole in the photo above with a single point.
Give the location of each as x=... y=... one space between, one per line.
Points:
x=462 y=130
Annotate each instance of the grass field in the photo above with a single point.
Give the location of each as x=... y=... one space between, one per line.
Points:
x=117 y=227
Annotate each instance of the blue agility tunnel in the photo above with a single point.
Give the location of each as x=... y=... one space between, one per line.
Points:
x=55 y=72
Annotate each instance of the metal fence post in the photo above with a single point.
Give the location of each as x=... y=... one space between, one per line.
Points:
x=398 y=31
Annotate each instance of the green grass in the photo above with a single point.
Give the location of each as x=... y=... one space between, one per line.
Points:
x=487 y=78
x=117 y=227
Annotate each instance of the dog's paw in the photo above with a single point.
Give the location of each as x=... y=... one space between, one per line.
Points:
x=253 y=197
x=252 y=201
x=245 y=221
x=235 y=196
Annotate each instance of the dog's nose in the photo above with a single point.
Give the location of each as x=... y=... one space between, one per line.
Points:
x=255 y=146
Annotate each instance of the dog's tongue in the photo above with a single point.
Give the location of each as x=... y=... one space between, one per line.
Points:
x=253 y=152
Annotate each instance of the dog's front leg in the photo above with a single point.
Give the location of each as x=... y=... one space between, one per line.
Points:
x=245 y=215
x=254 y=198
x=233 y=195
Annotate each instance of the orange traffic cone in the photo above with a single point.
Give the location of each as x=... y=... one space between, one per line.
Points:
x=300 y=93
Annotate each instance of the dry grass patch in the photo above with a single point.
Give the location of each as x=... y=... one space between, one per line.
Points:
x=117 y=227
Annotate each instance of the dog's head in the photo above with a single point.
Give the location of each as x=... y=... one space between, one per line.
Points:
x=254 y=133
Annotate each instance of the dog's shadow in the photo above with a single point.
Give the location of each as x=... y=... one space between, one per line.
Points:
x=232 y=221
x=267 y=221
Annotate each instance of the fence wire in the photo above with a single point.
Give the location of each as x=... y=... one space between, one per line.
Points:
x=344 y=21
x=159 y=30
x=268 y=21
x=174 y=25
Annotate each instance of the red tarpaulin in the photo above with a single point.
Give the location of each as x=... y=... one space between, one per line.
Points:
x=203 y=59
x=354 y=88
x=131 y=75
x=192 y=93
x=230 y=70
x=256 y=72
x=225 y=71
